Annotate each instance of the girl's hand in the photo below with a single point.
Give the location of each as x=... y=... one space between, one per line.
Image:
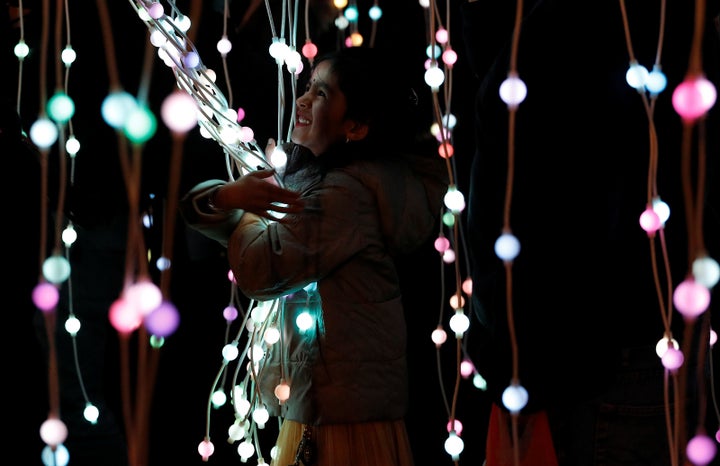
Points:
x=254 y=193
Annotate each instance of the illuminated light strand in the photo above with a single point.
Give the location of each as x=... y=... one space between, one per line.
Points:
x=198 y=82
x=438 y=74
x=218 y=122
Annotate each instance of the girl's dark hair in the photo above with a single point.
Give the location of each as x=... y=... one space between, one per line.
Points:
x=377 y=93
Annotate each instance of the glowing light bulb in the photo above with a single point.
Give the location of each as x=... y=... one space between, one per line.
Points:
x=182 y=22
x=43 y=133
x=56 y=269
x=304 y=321
x=230 y=351
x=507 y=247
x=432 y=52
x=271 y=335
x=45 y=296
x=206 y=449
x=706 y=271
x=701 y=450
x=448 y=219
x=245 y=450
x=691 y=298
x=448 y=256
x=454 y=199
x=457 y=301
x=91 y=413
x=140 y=125
x=442 y=35
x=156 y=10
x=21 y=50
x=636 y=76
x=446 y=150
x=656 y=81
x=441 y=244
x=341 y=22
x=230 y=313
x=454 y=445
x=673 y=359
x=649 y=221
x=351 y=13
x=663 y=344
x=278 y=49
x=72 y=146
x=438 y=336
x=694 y=97
x=224 y=46
x=282 y=391
x=466 y=368
x=661 y=209
x=449 y=57
x=117 y=107
x=479 y=382
x=434 y=77
x=69 y=235
x=261 y=416
x=179 y=112
x=72 y=325
x=68 y=55
x=124 y=317
x=144 y=295
x=467 y=286
x=515 y=398
x=53 y=431
x=513 y=91
x=237 y=430
x=59 y=456
x=459 y=323
x=219 y=398
x=309 y=50
x=375 y=13
x=163 y=320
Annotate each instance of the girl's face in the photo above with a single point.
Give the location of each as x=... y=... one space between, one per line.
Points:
x=320 y=119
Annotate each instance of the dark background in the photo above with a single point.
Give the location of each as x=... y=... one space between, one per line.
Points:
x=96 y=202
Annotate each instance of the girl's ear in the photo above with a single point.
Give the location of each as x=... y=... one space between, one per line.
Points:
x=356 y=131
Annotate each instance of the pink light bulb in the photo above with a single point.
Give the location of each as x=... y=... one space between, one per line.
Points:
x=701 y=450
x=53 y=431
x=466 y=368
x=163 y=320
x=439 y=336
x=442 y=244
x=309 y=50
x=449 y=57
x=230 y=313
x=442 y=35
x=45 y=296
x=467 y=286
x=179 y=112
x=206 y=449
x=694 y=97
x=691 y=298
x=673 y=359
x=650 y=221
x=156 y=10
x=455 y=425
x=123 y=317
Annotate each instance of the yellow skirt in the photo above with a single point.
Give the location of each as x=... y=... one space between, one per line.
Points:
x=362 y=444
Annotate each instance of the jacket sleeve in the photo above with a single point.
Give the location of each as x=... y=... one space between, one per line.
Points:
x=272 y=259
x=198 y=215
